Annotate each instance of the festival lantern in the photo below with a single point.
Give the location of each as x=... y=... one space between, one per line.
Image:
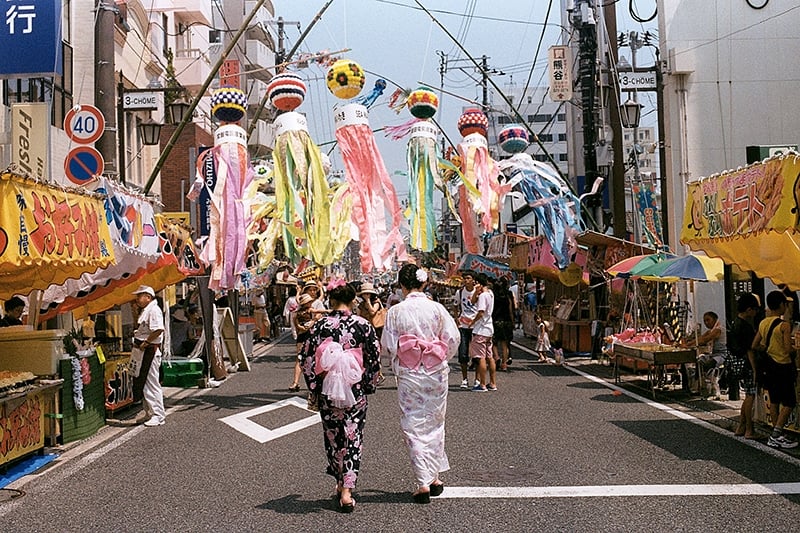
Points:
x=513 y=139
x=345 y=79
x=473 y=120
x=286 y=91
x=372 y=190
x=226 y=248
x=481 y=172
x=423 y=103
x=315 y=217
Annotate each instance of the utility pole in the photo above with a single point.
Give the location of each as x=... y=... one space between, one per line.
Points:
x=104 y=96
x=617 y=174
x=587 y=73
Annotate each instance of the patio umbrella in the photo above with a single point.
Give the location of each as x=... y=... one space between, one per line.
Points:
x=694 y=267
x=633 y=266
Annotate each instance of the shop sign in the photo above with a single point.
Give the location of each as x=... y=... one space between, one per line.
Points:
x=21 y=427
x=118 y=383
x=29 y=126
x=560 y=66
x=34 y=27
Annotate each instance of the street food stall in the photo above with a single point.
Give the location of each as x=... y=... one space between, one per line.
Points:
x=655 y=357
x=750 y=217
x=48 y=235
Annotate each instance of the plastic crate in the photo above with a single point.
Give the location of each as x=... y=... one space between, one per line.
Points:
x=182 y=372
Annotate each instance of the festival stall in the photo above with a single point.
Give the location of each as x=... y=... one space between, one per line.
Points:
x=48 y=235
x=750 y=217
x=565 y=288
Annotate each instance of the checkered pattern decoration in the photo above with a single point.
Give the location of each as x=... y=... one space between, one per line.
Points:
x=345 y=79
x=473 y=120
x=513 y=139
x=423 y=103
x=286 y=91
x=228 y=104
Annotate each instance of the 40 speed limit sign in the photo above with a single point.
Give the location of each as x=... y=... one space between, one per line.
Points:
x=84 y=124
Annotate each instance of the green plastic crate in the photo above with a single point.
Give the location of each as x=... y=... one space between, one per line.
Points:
x=182 y=372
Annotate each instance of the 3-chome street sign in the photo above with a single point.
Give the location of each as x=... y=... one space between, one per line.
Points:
x=141 y=100
x=637 y=80
x=84 y=124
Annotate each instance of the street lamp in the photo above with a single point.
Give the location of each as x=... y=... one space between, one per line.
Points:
x=630 y=114
x=149 y=132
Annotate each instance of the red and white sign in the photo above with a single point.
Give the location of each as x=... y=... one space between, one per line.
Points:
x=84 y=124
x=83 y=164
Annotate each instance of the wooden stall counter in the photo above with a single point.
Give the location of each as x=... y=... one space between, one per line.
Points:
x=654 y=356
x=22 y=418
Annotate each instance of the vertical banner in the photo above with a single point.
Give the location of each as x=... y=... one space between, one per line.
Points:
x=559 y=64
x=30 y=124
x=35 y=28
x=210 y=180
x=647 y=207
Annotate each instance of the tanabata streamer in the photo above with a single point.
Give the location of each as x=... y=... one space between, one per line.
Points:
x=226 y=248
x=372 y=190
x=555 y=207
x=315 y=217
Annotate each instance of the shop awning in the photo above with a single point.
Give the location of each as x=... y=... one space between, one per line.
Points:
x=535 y=256
x=749 y=217
x=478 y=263
x=48 y=235
x=177 y=259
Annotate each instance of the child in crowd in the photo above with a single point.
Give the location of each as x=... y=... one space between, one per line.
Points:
x=543 y=341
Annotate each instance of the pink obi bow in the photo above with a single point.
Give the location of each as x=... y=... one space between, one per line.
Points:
x=343 y=369
x=412 y=351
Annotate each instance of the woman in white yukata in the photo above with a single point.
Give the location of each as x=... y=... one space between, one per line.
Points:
x=420 y=336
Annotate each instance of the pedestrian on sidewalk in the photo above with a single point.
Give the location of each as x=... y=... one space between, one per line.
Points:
x=740 y=340
x=420 y=336
x=341 y=361
x=480 y=347
x=466 y=314
x=781 y=371
x=543 y=338
x=148 y=337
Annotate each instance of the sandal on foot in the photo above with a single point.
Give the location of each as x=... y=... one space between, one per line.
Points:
x=436 y=490
x=422 y=497
x=347 y=507
x=294 y=388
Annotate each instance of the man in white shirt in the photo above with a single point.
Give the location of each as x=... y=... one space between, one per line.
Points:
x=480 y=347
x=148 y=337
x=467 y=312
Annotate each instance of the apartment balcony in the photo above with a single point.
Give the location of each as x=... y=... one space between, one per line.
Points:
x=192 y=67
x=262 y=23
x=261 y=60
x=196 y=11
x=256 y=89
x=262 y=140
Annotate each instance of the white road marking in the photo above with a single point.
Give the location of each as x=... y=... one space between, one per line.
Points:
x=677 y=413
x=616 y=491
x=241 y=421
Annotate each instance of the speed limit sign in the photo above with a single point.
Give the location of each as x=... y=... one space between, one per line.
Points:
x=84 y=124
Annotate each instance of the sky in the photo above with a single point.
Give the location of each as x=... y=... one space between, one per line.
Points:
x=396 y=40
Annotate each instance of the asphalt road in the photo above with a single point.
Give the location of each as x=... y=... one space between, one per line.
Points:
x=555 y=449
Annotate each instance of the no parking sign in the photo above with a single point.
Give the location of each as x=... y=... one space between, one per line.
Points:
x=83 y=164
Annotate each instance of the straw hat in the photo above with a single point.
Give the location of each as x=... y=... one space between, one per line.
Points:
x=304 y=299
x=367 y=288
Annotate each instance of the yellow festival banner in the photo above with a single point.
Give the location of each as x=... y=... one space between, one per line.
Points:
x=749 y=217
x=48 y=235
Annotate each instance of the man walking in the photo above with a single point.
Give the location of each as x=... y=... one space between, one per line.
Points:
x=480 y=348
x=466 y=314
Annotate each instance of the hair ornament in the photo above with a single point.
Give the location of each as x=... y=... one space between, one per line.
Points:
x=335 y=283
x=422 y=276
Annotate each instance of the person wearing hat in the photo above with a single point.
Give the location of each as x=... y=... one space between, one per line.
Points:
x=147 y=337
x=302 y=320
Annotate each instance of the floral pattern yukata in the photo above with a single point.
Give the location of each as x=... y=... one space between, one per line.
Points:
x=343 y=427
x=422 y=390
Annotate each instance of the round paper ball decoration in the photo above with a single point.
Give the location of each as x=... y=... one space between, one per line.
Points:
x=228 y=104
x=286 y=91
x=423 y=103
x=473 y=120
x=345 y=79
x=513 y=139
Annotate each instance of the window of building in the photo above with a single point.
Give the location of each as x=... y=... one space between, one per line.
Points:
x=546 y=137
x=561 y=117
x=562 y=137
x=540 y=157
x=530 y=99
x=562 y=157
x=57 y=91
x=164 y=33
x=504 y=119
x=541 y=117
